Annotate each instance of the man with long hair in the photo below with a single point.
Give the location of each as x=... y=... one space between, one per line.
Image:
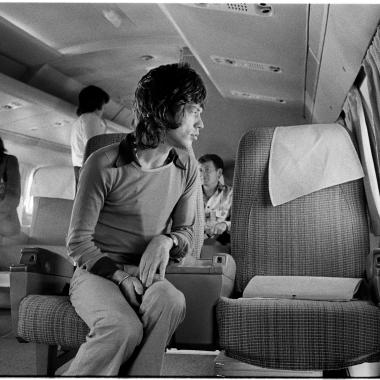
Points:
x=133 y=212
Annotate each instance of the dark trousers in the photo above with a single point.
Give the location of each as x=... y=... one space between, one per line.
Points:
x=76 y=174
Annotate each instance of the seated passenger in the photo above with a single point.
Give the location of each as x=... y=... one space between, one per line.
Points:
x=90 y=123
x=10 y=191
x=119 y=235
x=217 y=200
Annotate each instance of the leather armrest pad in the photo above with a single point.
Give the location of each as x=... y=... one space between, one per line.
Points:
x=222 y=263
x=42 y=260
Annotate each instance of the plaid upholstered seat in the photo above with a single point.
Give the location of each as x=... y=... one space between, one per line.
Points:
x=51 y=320
x=324 y=233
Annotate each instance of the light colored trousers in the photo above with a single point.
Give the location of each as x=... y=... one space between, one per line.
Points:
x=118 y=332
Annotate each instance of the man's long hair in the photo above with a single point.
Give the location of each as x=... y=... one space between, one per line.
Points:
x=160 y=98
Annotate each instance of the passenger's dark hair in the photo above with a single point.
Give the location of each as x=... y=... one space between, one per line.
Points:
x=214 y=158
x=160 y=95
x=2 y=149
x=90 y=99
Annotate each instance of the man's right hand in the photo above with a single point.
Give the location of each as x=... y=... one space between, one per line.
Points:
x=131 y=287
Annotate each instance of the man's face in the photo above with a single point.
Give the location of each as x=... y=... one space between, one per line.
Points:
x=209 y=174
x=190 y=122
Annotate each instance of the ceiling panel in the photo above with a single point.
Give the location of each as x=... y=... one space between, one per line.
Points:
x=266 y=40
x=86 y=22
x=44 y=22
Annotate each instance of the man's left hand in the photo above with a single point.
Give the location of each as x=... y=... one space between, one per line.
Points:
x=155 y=257
x=218 y=228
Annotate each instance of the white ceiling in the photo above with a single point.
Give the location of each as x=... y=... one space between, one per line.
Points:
x=260 y=39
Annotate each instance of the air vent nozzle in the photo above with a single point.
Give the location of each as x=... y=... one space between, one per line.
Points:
x=251 y=65
x=12 y=105
x=265 y=98
x=261 y=9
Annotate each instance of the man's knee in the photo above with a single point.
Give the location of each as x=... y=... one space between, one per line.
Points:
x=169 y=296
x=121 y=329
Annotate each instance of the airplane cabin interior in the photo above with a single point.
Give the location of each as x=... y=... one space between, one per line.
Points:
x=292 y=108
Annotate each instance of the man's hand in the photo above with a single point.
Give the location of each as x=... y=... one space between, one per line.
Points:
x=156 y=256
x=217 y=229
x=131 y=287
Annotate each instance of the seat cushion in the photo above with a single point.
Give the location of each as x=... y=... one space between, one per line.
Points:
x=50 y=320
x=299 y=334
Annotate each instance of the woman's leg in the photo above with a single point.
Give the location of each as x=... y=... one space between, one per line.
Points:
x=9 y=224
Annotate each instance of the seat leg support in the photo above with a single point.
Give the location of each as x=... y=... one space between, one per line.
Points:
x=45 y=359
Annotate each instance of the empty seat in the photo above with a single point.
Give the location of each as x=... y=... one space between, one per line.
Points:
x=323 y=234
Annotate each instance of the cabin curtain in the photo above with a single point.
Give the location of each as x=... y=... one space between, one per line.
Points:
x=371 y=65
x=357 y=122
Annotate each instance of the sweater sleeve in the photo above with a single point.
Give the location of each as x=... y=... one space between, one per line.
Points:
x=183 y=215
x=94 y=184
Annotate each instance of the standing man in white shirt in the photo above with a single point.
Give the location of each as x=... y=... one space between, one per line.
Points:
x=92 y=100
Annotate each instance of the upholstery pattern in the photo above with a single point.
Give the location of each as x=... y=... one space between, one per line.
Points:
x=324 y=233
x=50 y=320
x=321 y=234
x=297 y=334
x=99 y=141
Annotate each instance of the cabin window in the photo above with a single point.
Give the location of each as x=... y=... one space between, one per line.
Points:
x=28 y=200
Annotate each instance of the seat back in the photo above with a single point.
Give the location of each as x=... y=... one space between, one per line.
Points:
x=50 y=221
x=99 y=141
x=324 y=233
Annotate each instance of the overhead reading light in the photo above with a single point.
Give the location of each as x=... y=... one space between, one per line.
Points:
x=146 y=57
x=113 y=17
x=12 y=106
x=251 y=65
x=261 y=9
x=249 y=95
x=61 y=123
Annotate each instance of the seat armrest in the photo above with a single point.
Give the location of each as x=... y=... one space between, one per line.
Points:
x=203 y=282
x=220 y=263
x=40 y=271
x=42 y=260
x=373 y=273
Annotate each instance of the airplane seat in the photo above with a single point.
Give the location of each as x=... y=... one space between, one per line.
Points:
x=276 y=327
x=49 y=225
x=42 y=312
x=99 y=141
x=9 y=249
x=50 y=221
